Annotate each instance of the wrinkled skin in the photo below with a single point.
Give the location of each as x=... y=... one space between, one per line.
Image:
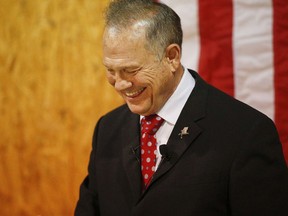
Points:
x=140 y=76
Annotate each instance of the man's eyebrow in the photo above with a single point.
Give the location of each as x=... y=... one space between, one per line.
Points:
x=133 y=67
x=124 y=67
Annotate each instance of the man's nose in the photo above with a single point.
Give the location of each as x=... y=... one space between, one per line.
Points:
x=122 y=84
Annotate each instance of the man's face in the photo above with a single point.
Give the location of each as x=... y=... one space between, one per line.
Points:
x=143 y=80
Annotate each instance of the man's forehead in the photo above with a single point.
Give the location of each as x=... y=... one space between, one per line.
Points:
x=111 y=31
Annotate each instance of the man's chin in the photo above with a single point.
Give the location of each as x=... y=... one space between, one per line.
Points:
x=140 y=110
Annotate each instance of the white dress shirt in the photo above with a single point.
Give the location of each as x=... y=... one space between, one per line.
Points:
x=172 y=109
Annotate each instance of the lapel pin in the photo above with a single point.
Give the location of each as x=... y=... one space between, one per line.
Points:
x=183 y=132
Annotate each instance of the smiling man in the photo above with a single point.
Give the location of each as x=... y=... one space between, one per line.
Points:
x=178 y=146
x=143 y=77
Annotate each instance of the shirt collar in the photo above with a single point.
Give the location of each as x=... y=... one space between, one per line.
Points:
x=174 y=105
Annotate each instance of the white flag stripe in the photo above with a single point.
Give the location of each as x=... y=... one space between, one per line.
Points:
x=253 y=54
x=188 y=12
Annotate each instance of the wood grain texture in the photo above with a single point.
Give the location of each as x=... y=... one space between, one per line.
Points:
x=52 y=91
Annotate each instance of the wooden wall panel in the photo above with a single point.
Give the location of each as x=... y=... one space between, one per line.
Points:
x=52 y=91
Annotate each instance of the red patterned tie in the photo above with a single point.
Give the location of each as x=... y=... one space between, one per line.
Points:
x=149 y=126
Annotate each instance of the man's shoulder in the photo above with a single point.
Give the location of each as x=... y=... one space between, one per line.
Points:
x=220 y=102
x=118 y=114
x=119 y=110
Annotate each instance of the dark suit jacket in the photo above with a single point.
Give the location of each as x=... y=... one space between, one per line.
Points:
x=231 y=163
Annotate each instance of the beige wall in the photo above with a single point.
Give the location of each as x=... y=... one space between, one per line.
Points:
x=52 y=91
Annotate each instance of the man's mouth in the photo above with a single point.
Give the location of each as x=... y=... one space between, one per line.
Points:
x=134 y=93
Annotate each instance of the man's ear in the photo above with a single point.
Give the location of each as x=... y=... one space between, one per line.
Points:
x=173 y=56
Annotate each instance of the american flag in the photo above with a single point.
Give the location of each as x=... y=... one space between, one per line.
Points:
x=241 y=47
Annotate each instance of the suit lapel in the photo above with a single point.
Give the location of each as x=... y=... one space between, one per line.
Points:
x=131 y=153
x=193 y=111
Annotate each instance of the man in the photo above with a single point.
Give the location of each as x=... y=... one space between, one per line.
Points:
x=209 y=154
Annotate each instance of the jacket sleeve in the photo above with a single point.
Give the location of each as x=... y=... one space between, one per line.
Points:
x=259 y=175
x=87 y=204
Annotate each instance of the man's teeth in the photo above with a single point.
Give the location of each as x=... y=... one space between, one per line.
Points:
x=134 y=93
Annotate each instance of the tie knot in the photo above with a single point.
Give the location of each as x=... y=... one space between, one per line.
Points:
x=151 y=124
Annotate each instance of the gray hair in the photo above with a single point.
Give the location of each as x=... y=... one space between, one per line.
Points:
x=163 y=24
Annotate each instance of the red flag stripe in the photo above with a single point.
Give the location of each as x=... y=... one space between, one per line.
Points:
x=215 y=27
x=280 y=40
